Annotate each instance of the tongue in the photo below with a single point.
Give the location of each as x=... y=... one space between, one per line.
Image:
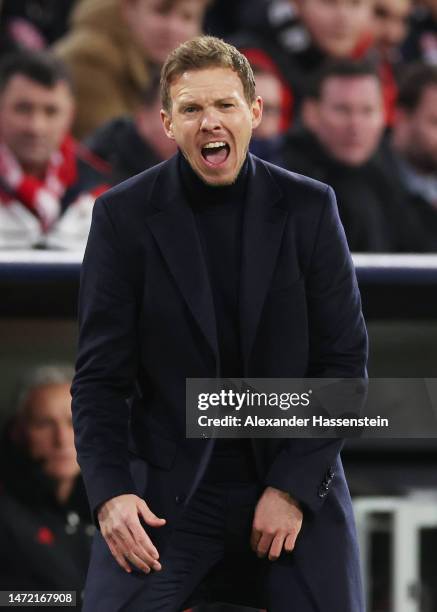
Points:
x=216 y=156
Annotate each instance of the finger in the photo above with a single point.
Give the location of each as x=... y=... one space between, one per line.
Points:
x=121 y=538
x=264 y=544
x=255 y=538
x=156 y=566
x=120 y=533
x=137 y=562
x=124 y=540
x=121 y=560
x=134 y=552
x=150 y=518
x=146 y=558
x=276 y=546
x=143 y=542
x=290 y=541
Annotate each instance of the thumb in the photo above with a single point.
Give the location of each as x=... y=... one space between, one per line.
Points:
x=148 y=516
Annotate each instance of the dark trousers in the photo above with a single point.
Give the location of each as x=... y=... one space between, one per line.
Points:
x=209 y=559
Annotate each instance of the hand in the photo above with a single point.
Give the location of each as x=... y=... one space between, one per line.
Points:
x=276 y=523
x=127 y=540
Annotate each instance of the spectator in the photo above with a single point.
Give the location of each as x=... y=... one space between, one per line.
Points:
x=337 y=27
x=344 y=122
x=390 y=27
x=299 y=40
x=421 y=44
x=130 y=145
x=414 y=142
x=47 y=182
x=45 y=526
x=114 y=48
x=267 y=140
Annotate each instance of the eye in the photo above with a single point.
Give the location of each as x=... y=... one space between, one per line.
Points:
x=51 y=111
x=190 y=110
x=23 y=108
x=226 y=105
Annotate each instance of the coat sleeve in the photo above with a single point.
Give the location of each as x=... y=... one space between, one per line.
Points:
x=107 y=361
x=338 y=349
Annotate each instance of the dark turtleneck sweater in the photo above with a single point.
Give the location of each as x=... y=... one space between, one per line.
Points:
x=218 y=212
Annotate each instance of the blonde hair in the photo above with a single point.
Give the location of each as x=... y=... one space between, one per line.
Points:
x=205 y=52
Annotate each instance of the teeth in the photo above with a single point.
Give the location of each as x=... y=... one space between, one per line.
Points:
x=214 y=145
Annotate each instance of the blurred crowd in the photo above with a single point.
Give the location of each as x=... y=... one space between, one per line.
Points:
x=349 y=90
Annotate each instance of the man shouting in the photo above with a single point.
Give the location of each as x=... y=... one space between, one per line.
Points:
x=211 y=264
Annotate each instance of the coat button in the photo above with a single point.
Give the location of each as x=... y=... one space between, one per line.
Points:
x=179 y=499
x=330 y=474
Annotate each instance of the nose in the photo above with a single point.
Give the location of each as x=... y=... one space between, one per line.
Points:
x=355 y=126
x=63 y=436
x=37 y=123
x=210 y=121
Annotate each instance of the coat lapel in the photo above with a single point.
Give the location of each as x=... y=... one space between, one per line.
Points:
x=262 y=234
x=174 y=229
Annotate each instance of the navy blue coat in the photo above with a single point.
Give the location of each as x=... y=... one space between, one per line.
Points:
x=147 y=323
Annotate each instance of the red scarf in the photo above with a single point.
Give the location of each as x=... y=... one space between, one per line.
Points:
x=41 y=196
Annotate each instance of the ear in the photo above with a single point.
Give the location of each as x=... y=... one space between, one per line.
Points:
x=167 y=124
x=257 y=112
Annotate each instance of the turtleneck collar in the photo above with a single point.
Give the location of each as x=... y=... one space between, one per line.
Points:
x=202 y=196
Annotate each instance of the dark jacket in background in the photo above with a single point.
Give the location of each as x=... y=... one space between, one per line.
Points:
x=426 y=216
x=422 y=214
x=44 y=545
x=48 y=18
x=421 y=43
x=119 y=143
x=224 y=18
x=373 y=214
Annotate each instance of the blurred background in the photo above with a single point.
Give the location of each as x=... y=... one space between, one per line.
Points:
x=350 y=98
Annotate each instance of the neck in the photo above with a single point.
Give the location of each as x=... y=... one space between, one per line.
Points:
x=202 y=196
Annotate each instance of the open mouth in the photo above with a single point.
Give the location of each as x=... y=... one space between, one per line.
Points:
x=215 y=153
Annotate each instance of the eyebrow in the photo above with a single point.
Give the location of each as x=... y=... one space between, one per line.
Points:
x=191 y=102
